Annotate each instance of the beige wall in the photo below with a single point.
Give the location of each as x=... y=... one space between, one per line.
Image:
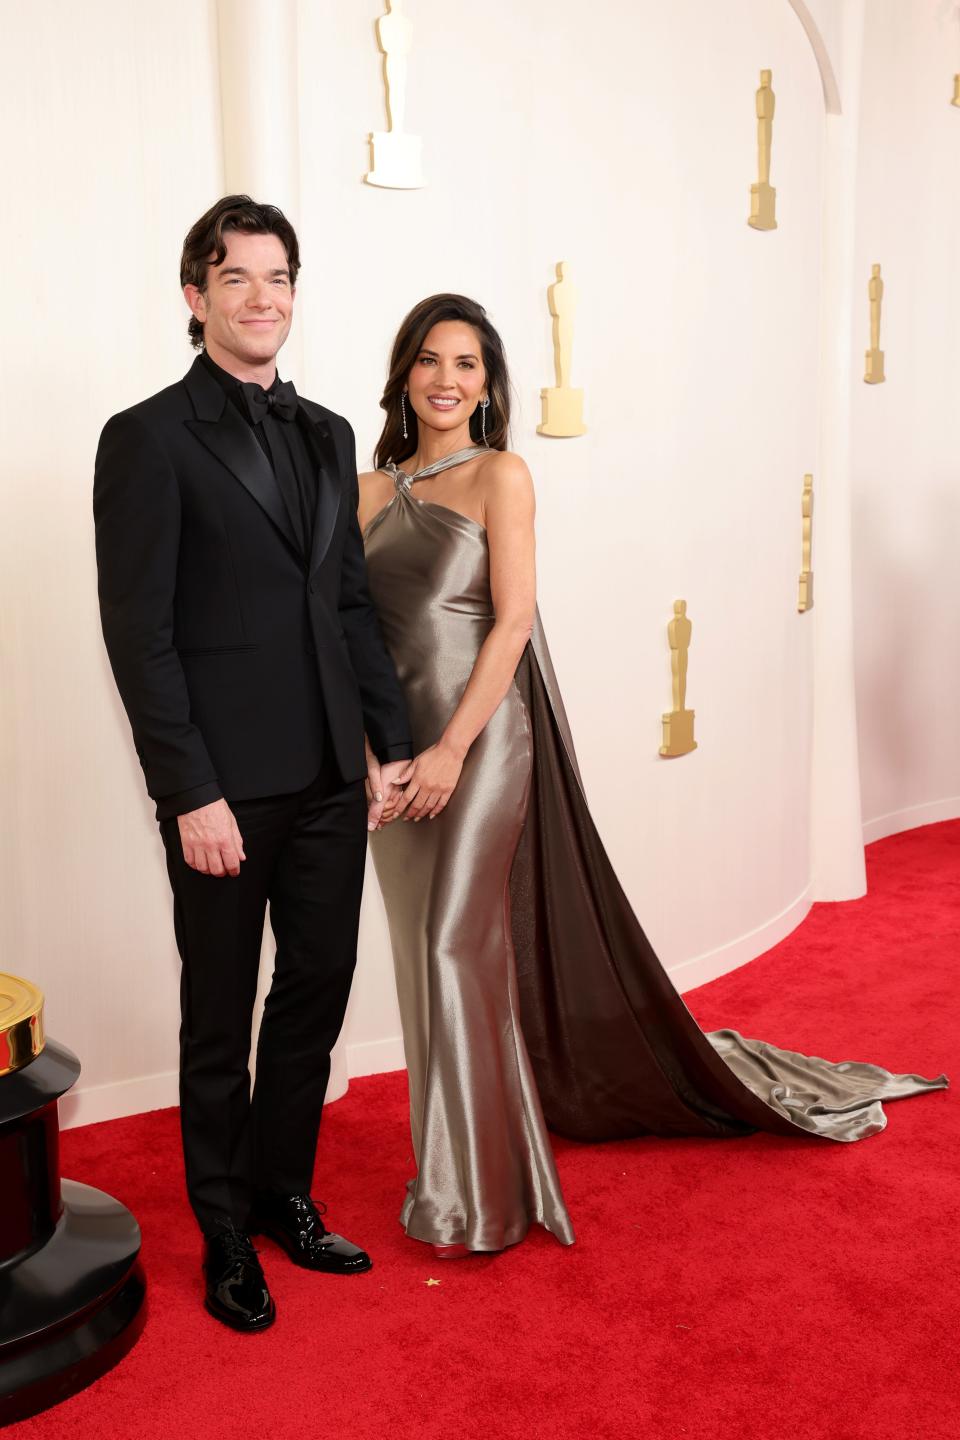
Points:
x=625 y=145
x=113 y=145
x=697 y=344
x=907 y=432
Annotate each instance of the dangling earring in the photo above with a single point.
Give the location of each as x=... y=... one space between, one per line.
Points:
x=403 y=412
x=484 y=407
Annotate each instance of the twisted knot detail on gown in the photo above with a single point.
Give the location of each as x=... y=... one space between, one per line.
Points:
x=403 y=481
x=529 y=993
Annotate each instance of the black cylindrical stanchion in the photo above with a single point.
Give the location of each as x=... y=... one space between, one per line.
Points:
x=71 y=1287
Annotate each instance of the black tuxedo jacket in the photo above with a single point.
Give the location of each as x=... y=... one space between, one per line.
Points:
x=235 y=658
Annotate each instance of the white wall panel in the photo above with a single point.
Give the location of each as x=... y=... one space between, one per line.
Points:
x=624 y=143
x=907 y=431
x=111 y=112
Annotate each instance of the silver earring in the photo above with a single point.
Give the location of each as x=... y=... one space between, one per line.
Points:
x=403 y=412
x=484 y=407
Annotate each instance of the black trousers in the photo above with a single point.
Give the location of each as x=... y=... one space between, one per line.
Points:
x=305 y=858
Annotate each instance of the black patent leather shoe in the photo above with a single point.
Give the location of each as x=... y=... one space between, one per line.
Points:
x=237 y=1292
x=294 y=1222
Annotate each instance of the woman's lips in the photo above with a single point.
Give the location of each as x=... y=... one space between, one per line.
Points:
x=443 y=402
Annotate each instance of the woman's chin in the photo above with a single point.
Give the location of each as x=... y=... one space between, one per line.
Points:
x=444 y=420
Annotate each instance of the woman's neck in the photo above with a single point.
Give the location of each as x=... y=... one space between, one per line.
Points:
x=434 y=445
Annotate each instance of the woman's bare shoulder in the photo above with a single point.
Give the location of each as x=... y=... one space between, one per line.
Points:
x=376 y=491
x=370 y=478
x=504 y=462
x=504 y=475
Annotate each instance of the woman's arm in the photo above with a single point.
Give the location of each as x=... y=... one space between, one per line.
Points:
x=384 y=767
x=508 y=510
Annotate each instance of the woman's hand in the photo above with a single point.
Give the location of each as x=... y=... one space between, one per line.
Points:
x=433 y=779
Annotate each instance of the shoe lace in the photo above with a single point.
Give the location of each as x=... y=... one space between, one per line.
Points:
x=311 y=1214
x=237 y=1246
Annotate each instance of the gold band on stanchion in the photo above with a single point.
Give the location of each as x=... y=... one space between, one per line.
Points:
x=21 y=1023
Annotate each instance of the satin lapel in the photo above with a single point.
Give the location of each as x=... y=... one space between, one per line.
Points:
x=232 y=441
x=330 y=460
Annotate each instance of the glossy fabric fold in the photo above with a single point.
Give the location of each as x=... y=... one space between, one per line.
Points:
x=484 y=1161
x=614 y=1048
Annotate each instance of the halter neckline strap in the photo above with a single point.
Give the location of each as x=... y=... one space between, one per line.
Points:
x=446 y=462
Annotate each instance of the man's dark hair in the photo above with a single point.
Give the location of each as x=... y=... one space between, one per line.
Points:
x=206 y=246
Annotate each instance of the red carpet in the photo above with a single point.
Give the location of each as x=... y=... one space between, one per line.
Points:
x=756 y=1289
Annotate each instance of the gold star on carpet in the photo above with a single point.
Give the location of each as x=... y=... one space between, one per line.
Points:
x=433 y=1282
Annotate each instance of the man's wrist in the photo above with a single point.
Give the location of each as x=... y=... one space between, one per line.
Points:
x=391 y=753
x=181 y=803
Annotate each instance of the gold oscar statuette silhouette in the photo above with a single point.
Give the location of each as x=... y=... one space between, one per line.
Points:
x=956 y=90
x=805 y=601
x=873 y=375
x=395 y=155
x=763 y=197
x=678 y=722
x=562 y=413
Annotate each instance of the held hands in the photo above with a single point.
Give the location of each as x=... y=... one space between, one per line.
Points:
x=212 y=843
x=384 y=787
x=429 y=781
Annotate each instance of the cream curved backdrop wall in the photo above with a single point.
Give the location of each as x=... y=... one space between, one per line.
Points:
x=115 y=145
x=625 y=144
x=623 y=141
x=906 y=432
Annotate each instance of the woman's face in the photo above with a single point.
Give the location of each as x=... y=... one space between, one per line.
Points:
x=447 y=380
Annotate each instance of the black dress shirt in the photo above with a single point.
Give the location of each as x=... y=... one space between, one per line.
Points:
x=285 y=445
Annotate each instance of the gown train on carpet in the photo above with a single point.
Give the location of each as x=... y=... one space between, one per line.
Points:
x=614 y=1049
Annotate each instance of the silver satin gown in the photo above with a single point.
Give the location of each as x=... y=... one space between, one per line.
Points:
x=527 y=987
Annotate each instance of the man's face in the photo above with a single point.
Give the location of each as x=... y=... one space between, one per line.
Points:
x=247 y=307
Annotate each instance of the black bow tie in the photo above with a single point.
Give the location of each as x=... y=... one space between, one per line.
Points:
x=279 y=401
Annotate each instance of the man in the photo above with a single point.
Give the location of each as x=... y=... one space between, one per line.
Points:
x=242 y=638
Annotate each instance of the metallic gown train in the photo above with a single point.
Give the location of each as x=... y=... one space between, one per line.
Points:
x=527 y=987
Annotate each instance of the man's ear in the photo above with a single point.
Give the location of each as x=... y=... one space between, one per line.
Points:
x=197 y=301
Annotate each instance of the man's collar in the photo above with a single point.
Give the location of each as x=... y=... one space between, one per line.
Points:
x=227 y=382
x=209 y=398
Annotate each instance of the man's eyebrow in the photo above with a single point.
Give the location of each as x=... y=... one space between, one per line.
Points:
x=242 y=270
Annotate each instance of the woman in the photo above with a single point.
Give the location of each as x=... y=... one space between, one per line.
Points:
x=524 y=977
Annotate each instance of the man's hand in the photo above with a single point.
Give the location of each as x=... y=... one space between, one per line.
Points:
x=211 y=841
x=395 y=776
x=384 y=787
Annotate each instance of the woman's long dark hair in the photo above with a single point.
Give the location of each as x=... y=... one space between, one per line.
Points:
x=407 y=346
